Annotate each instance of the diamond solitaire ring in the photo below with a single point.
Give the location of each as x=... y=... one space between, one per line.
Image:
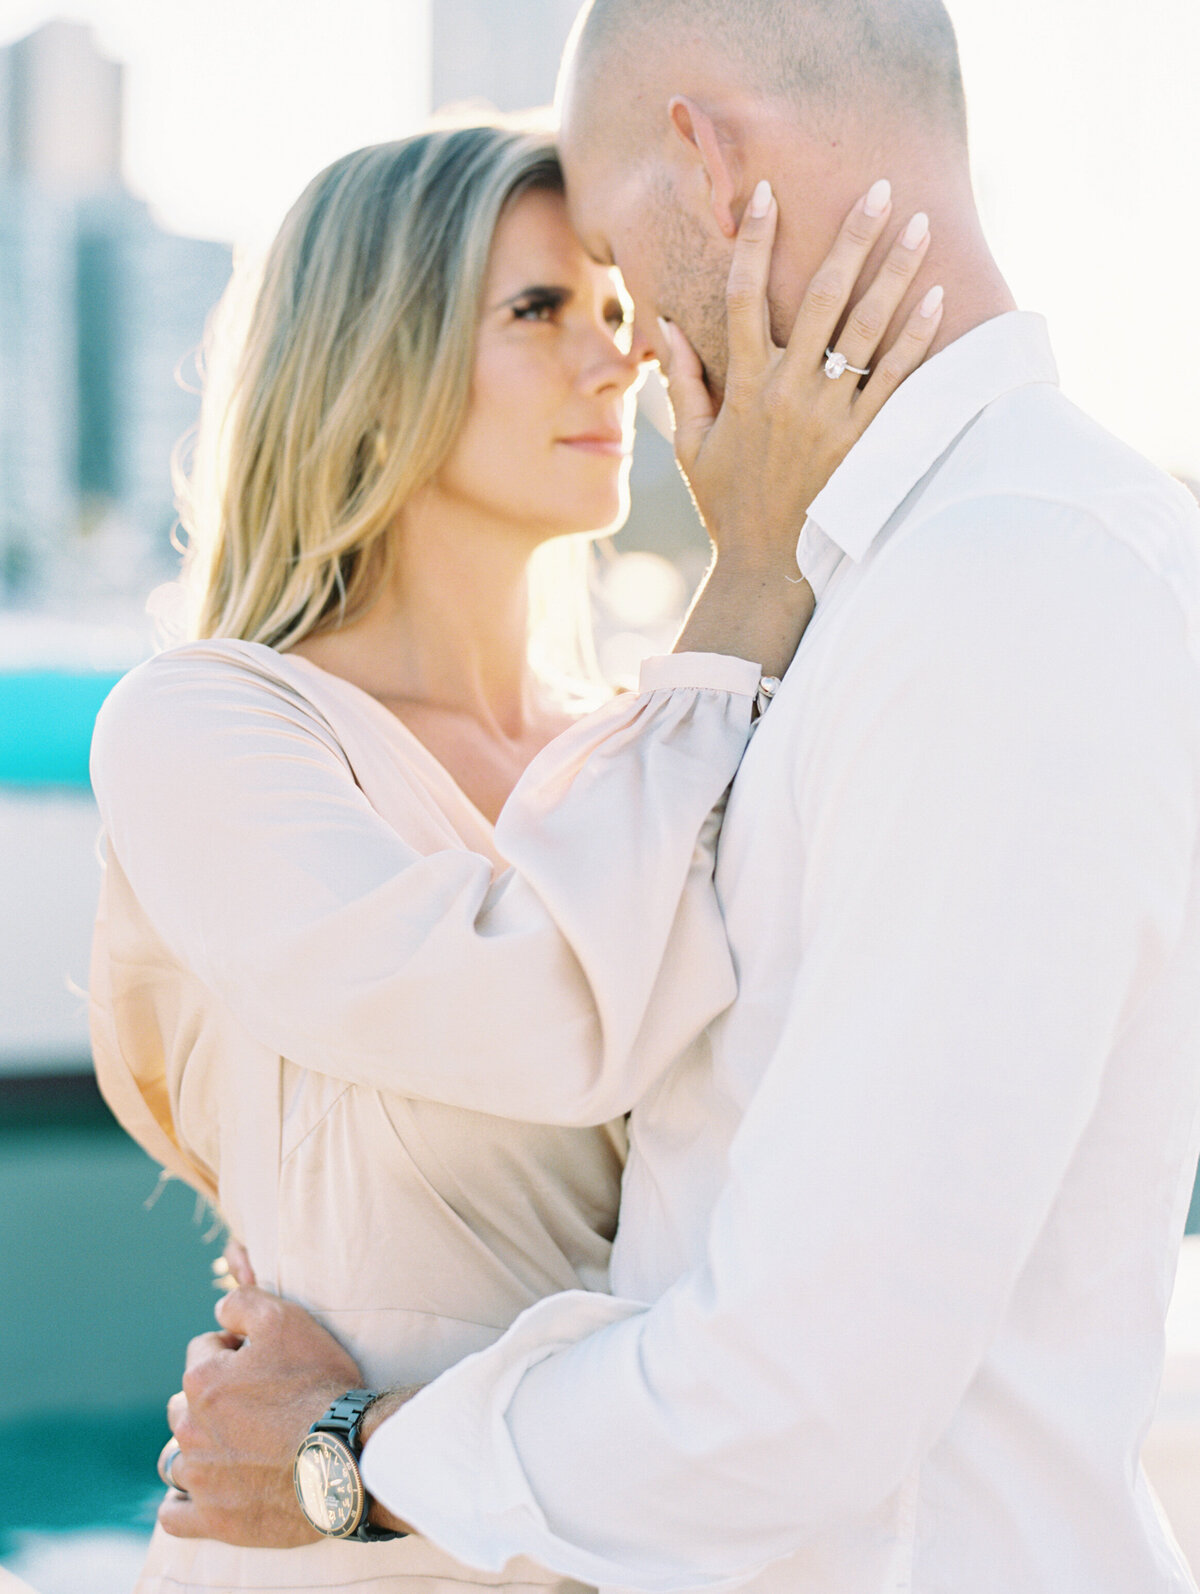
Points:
x=837 y=365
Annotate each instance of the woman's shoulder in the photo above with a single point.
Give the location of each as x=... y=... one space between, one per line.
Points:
x=217 y=691
x=215 y=658
x=183 y=680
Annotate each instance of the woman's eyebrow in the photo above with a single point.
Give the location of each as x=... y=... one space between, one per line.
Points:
x=558 y=290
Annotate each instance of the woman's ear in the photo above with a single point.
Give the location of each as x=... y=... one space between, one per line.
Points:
x=696 y=128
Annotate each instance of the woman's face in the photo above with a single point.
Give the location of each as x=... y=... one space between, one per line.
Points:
x=546 y=442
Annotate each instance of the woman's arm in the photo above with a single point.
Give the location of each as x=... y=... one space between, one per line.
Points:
x=551 y=994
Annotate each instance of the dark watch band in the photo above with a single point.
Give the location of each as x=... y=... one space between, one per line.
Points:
x=344 y=1420
x=345 y=1416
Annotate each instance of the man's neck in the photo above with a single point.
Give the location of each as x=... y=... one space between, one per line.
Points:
x=818 y=183
x=960 y=260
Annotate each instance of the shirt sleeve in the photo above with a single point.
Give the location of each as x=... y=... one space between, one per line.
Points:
x=999 y=847
x=554 y=994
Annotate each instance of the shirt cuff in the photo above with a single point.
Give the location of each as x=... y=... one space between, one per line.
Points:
x=445 y=1462
x=702 y=672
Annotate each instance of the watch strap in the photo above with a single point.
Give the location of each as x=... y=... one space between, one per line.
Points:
x=344 y=1419
x=345 y=1416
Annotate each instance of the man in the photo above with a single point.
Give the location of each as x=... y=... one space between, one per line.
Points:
x=907 y=1215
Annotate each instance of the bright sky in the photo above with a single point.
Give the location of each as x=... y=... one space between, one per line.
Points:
x=1085 y=119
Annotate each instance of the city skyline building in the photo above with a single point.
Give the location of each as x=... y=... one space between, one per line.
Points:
x=61 y=111
x=99 y=306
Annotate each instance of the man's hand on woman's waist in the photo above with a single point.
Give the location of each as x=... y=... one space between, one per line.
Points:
x=251 y=1392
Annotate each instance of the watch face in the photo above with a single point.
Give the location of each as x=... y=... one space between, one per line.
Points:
x=328 y=1485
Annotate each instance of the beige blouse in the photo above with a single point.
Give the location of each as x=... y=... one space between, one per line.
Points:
x=320 y=997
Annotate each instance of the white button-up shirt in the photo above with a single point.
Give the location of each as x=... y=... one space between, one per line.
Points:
x=898 y=1232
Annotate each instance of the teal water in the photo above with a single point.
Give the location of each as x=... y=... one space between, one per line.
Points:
x=103 y=1288
x=46 y=720
x=81 y=1472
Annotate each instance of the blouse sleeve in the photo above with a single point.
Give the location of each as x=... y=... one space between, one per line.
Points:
x=556 y=993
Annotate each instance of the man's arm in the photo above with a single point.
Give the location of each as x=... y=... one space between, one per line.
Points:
x=1000 y=851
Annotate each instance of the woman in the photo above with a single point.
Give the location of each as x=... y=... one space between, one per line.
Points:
x=317 y=994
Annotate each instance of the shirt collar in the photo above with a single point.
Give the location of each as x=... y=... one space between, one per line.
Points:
x=921 y=420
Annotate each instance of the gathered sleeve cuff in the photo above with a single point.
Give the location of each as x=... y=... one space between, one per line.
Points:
x=701 y=672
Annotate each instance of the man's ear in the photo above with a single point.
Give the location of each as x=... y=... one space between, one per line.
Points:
x=696 y=128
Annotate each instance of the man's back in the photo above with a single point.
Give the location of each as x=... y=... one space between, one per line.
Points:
x=959 y=875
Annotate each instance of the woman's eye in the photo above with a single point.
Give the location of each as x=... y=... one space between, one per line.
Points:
x=541 y=309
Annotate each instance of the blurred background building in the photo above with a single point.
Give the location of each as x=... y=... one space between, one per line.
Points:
x=99 y=307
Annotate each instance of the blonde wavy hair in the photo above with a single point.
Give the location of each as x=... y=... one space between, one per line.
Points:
x=335 y=383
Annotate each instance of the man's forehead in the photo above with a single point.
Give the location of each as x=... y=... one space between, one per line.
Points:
x=594 y=180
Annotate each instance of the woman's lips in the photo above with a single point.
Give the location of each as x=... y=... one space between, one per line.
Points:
x=611 y=443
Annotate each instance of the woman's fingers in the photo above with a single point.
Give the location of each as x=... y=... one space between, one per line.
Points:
x=902 y=359
x=748 y=316
x=873 y=314
x=691 y=402
x=828 y=293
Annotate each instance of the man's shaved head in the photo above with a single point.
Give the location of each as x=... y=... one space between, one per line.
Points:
x=672 y=110
x=829 y=59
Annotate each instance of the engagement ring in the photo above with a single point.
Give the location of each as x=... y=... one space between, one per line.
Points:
x=837 y=365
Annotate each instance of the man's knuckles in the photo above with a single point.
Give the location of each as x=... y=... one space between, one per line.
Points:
x=200 y=1382
x=202 y=1346
x=180 y=1518
x=177 y=1409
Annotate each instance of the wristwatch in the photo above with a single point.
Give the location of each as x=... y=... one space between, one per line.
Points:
x=328 y=1483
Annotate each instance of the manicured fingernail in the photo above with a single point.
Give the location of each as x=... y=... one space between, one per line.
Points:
x=760 y=200
x=879 y=197
x=916 y=232
x=932 y=302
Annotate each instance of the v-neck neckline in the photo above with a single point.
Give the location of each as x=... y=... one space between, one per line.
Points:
x=408 y=736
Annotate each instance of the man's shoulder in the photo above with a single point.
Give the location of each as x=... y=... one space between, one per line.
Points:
x=1039 y=491
x=1004 y=557
x=1034 y=445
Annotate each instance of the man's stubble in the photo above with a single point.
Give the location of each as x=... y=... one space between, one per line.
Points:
x=692 y=275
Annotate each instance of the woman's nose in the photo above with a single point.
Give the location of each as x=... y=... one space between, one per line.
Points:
x=618 y=368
